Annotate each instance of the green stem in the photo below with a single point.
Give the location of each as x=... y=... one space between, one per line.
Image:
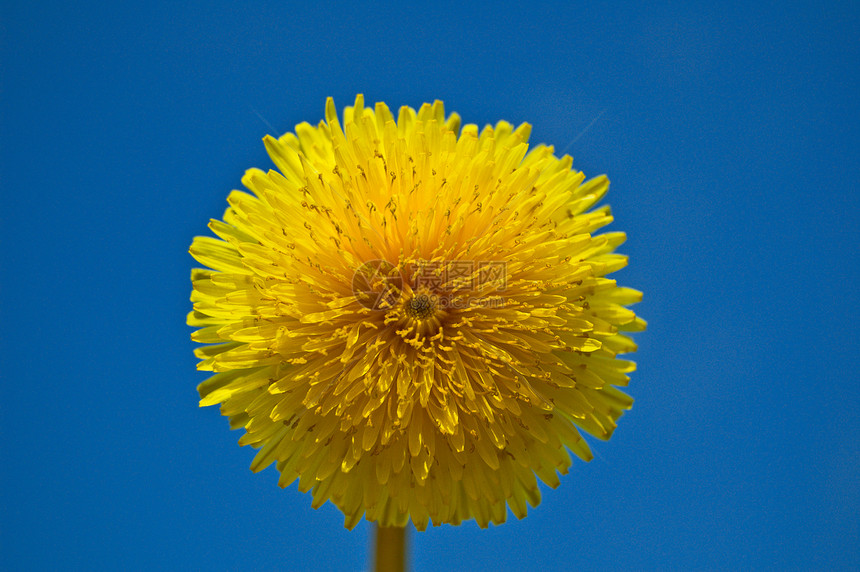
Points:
x=390 y=549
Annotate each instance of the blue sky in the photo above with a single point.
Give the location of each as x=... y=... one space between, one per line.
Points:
x=729 y=131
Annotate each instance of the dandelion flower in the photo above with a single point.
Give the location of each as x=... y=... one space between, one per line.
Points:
x=412 y=318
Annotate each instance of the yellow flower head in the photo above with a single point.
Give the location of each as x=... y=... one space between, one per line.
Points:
x=413 y=319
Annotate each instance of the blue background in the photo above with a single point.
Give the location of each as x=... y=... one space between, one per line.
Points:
x=730 y=133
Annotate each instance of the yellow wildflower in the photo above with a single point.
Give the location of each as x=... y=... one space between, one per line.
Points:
x=413 y=319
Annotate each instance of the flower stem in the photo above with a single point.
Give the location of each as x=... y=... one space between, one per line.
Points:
x=390 y=549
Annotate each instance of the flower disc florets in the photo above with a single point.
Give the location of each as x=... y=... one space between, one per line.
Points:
x=414 y=319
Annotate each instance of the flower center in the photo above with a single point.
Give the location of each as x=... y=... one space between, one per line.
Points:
x=420 y=307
